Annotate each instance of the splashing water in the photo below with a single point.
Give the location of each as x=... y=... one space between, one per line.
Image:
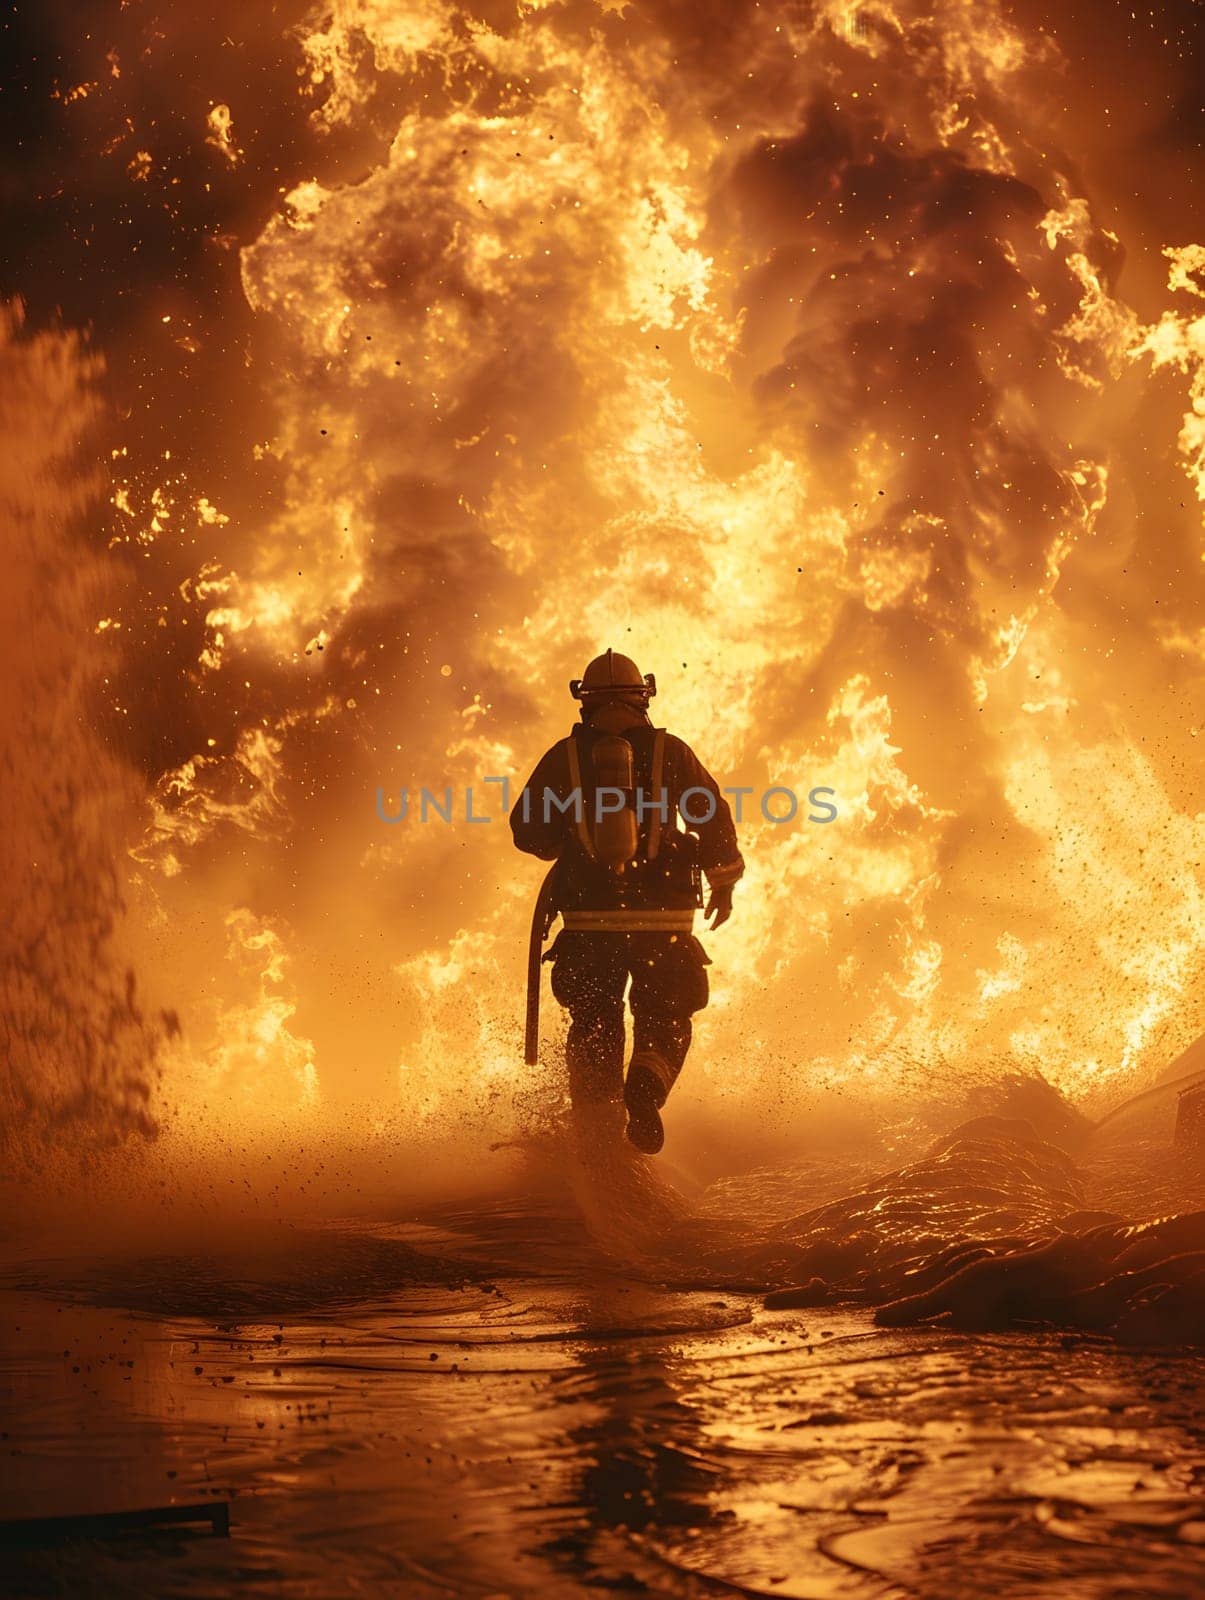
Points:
x=80 y=1051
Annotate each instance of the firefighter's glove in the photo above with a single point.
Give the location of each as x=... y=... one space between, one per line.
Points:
x=719 y=906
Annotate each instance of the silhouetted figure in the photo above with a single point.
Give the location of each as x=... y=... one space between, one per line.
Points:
x=633 y=821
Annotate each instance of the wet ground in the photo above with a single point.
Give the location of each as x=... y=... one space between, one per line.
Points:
x=550 y=1439
x=485 y=1402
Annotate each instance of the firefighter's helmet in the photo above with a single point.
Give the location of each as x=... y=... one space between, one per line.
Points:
x=613 y=676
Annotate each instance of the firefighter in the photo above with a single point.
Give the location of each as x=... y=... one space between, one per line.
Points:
x=633 y=822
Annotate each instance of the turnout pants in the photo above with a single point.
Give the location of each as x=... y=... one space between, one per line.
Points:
x=589 y=976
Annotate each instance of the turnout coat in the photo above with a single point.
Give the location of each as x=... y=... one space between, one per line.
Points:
x=685 y=830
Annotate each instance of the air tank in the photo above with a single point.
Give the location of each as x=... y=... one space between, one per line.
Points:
x=615 y=832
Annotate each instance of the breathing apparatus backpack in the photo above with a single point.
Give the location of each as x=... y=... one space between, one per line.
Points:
x=614 y=831
x=607 y=826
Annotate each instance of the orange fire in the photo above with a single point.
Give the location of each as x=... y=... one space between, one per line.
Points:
x=785 y=351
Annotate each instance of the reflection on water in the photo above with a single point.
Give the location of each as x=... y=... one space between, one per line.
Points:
x=488 y=1444
x=532 y=1440
x=572 y=1391
x=638 y=1458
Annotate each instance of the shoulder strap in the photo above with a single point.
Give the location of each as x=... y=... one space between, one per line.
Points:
x=655 y=824
x=575 y=786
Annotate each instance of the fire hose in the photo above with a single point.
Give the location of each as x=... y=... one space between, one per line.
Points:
x=543 y=917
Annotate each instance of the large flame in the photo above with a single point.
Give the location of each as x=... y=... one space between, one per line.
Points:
x=781 y=347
